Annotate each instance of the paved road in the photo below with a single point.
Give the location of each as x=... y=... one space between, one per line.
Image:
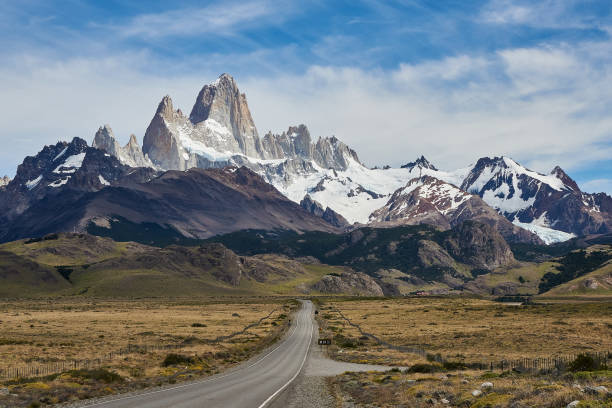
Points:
x=255 y=384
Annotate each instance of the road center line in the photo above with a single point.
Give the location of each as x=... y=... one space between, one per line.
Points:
x=271 y=397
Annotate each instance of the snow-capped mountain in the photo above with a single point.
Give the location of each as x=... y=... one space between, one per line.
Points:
x=71 y=186
x=74 y=165
x=550 y=205
x=328 y=179
x=220 y=131
x=428 y=200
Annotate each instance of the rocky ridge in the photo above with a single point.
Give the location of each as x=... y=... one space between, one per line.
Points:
x=428 y=200
x=130 y=154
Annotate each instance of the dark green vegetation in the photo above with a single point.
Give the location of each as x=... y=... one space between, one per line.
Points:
x=148 y=233
x=420 y=250
x=536 y=253
x=574 y=265
x=177 y=359
x=586 y=362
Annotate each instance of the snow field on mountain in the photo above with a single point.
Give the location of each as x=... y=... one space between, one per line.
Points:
x=548 y=235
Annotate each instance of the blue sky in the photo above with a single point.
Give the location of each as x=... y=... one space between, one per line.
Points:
x=454 y=80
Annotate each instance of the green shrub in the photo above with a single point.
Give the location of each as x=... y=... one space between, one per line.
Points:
x=177 y=359
x=198 y=325
x=424 y=368
x=433 y=357
x=454 y=365
x=99 y=374
x=585 y=362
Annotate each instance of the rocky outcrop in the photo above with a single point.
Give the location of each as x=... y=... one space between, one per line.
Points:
x=430 y=254
x=327 y=214
x=161 y=142
x=351 y=283
x=420 y=163
x=130 y=155
x=478 y=245
x=4 y=181
x=221 y=111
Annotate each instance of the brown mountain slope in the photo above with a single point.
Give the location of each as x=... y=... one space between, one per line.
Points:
x=196 y=203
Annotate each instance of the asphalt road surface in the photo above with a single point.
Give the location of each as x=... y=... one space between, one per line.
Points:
x=255 y=384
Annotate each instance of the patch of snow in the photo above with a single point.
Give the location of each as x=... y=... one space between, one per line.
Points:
x=485 y=176
x=185 y=156
x=217 y=129
x=59 y=183
x=338 y=184
x=103 y=180
x=33 y=183
x=71 y=164
x=439 y=193
x=499 y=199
x=60 y=153
x=548 y=235
x=553 y=181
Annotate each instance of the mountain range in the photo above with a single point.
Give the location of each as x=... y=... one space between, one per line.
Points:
x=210 y=173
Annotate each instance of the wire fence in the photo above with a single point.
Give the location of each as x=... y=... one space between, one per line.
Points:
x=45 y=369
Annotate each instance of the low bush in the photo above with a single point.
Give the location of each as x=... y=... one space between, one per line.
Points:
x=424 y=368
x=99 y=374
x=177 y=359
x=198 y=325
x=454 y=365
x=433 y=357
x=585 y=362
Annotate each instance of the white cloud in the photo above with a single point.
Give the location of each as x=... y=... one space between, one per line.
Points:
x=543 y=106
x=541 y=13
x=507 y=12
x=597 y=185
x=219 y=18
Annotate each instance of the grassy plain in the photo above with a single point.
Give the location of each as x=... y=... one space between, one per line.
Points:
x=467 y=331
x=472 y=330
x=47 y=332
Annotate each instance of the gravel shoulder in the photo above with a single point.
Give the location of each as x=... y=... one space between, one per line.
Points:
x=311 y=388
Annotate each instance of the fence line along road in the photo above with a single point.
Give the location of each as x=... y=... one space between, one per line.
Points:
x=56 y=367
x=521 y=364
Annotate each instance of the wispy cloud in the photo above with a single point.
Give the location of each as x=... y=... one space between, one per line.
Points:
x=598 y=185
x=562 y=14
x=224 y=18
x=392 y=79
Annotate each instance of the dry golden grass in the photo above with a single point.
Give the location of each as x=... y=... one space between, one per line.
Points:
x=471 y=329
x=37 y=333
